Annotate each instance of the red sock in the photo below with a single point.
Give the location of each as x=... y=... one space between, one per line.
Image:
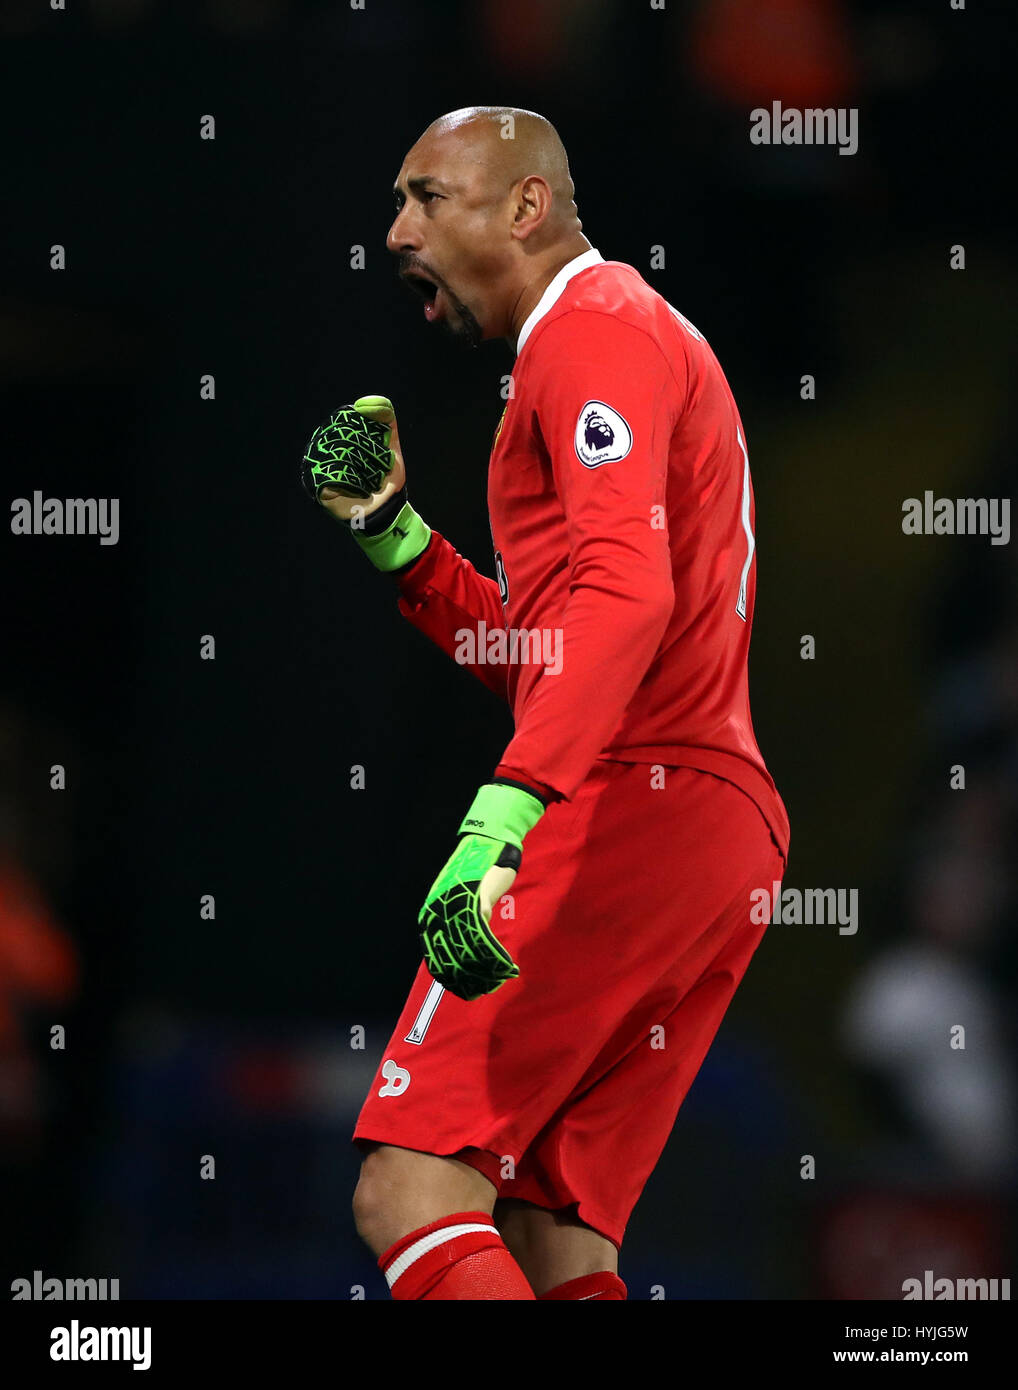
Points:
x=460 y=1257
x=602 y=1285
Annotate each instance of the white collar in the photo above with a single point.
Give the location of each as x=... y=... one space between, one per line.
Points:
x=555 y=288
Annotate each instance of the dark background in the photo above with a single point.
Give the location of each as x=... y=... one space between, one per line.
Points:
x=231 y=777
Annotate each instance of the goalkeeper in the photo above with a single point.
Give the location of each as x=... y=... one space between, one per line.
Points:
x=583 y=941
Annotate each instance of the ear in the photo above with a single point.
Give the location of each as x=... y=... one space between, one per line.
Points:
x=533 y=204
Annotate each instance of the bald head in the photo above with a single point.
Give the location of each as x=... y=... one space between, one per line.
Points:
x=509 y=144
x=485 y=217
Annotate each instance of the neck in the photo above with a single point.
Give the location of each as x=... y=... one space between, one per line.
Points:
x=538 y=280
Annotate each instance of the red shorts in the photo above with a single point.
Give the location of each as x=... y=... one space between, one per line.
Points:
x=630 y=923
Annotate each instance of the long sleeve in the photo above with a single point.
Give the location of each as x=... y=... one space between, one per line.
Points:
x=446 y=599
x=605 y=402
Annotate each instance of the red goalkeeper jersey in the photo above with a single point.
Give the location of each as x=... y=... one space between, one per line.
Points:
x=622 y=518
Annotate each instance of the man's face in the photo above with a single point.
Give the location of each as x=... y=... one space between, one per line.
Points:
x=451 y=234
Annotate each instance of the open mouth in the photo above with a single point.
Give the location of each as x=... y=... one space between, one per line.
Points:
x=426 y=288
x=428 y=291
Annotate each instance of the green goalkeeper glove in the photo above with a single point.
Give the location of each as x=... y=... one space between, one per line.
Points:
x=460 y=950
x=353 y=466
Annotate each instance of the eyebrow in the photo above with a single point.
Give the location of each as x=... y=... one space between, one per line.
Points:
x=418 y=185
